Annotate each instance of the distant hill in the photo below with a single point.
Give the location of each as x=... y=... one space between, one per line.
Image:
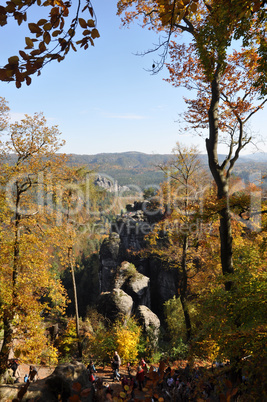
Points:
x=140 y=169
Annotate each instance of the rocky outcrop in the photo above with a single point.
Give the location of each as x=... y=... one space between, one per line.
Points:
x=68 y=380
x=153 y=283
x=109 y=184
x=109 y=255
x=147 y=281
x=149 y=321
x=114 y=304
x=131 y=290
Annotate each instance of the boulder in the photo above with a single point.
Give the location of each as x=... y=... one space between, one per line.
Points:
x=67 y=380
x=149 y=321
x=133 y=283
x=114 y=304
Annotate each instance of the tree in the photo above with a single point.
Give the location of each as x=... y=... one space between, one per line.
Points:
x=240 y=100
x=4 y=109
x=77 y=199
x=213 y=26
x=187 y=177
x=50 y=38
x=175 y=239
x=28 y=235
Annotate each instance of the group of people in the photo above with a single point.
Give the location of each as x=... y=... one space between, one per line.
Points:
x=13 y=364
x=132 y=381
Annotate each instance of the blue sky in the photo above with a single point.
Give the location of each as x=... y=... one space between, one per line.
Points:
x=103 y=99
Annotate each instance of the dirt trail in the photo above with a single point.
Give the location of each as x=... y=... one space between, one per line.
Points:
x=45 y=371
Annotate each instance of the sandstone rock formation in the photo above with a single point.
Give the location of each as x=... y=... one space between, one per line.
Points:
x=114 y=304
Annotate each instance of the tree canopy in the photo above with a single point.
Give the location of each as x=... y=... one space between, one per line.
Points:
x=211 y=66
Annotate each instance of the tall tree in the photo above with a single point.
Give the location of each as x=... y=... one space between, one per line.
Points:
x=175 y=239
x=50 y=38
x=28 y=234
x=212 y=26
x=188 y=184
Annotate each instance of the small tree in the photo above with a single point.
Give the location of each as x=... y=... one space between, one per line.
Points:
x=184 y=193
x=28 y=231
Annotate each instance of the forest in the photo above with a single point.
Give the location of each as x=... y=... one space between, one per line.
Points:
x=52 y=223
x=82 y=267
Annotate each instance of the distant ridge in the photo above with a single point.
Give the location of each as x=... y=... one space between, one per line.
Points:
x=141 y=169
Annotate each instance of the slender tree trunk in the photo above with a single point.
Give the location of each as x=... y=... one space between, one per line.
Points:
x=75 y=303
x=221 y=180
x=183 y=295
x=10 y=313
x=7 y=340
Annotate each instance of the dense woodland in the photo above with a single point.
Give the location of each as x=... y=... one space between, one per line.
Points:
x=49 y=229
x=209 y=225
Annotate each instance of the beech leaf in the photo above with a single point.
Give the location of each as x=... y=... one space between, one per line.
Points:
x=90 y=23
x=13 y=60
x=34 y=28
x=95 y=33
x=82 y=23
x=29 y=42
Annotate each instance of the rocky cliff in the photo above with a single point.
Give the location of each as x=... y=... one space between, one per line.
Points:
x=145 y=280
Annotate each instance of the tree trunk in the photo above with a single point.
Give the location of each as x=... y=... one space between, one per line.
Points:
x=75 y=304
x=10 y=313
x=7 y=340
x=183 y=295
x=221 y=180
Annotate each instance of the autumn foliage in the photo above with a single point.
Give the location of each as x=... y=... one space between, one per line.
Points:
x=50 y=38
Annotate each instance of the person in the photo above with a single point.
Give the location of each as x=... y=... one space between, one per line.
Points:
x=116 y=366
x=14 y=364
x=129 y=368
x=140 y=377
x=91 y=367
x=33 y=373
x=143 y=364
x=26 y=378
x=92 y=378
